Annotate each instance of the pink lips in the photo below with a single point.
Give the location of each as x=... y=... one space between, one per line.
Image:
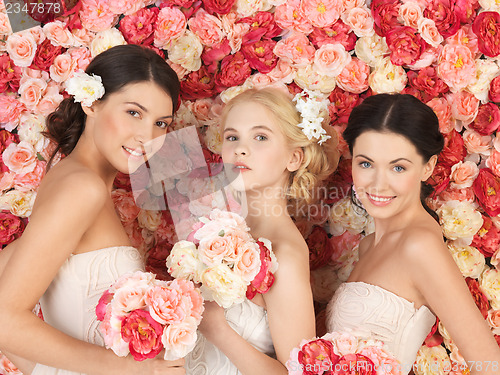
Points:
x=378 y=200
x=241 y=167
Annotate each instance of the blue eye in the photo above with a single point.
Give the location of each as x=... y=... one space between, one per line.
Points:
x=365 y=164
x=399 y=168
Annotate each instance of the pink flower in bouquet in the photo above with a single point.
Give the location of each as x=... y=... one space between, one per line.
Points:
x=487 y=120
x=463 y=174
x=464 y=106
x=12 y=227
x=196 y=300
x=356 y=364
x=248 y=264
x=487 y=239
x=218 y=6
x=58 y=34
x=494 y=93
x=128 y=299
x=9 y=74
x=493 y=162
x=385 y=15
x=443 y=14
x=317 y=357
x=487 y=26
x=21 y=48
x=456 y=66
x=295 y=50
x=170 y=25
x=20 y=158
x=11 y=111
x=260 y=55
x=179 y=339
x=96 y=15
x=331 y=59
x=320 y=248
x=234 y=70
x=166 y=304
x=265 y=278
x=102 y=305
x=138 y=28
x=487 y=189
x=288 y=16
x=476 y=143
x=479 y=297
x=143 y=334
x=207 y=27
x=31 y=180
x=339 y=32
x=8 y=366
x=62 y=68
x=442 y=109
x=213 y=250
x=262 y=26
x=454 y=149
x=427 y=80
x=321 y=13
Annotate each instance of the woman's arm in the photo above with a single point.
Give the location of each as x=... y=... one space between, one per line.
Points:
x=440 y=282
x=290 y=312
x=60 y=218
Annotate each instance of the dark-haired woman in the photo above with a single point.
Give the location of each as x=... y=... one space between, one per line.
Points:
x=405 y=276
x=75 y=246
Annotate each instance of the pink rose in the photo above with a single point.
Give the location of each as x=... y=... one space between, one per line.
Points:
x=442 y=109
x=339 y=32
x=494 y=93
x=20 y=158
x=167 y=305
x=443 y=14
x=248 y=263
x=356 y=364
x=102 y=304
x=343 y=245
x=476 y=143
x=21 y=48
x=30 y=180
x=265 y=278
x=288 y=16
x=260 y=55
x=360 y=20
x=218 y=6
x=10 y=74
x=463 y=174
x=429 y=32
x=466 y=10
x=58 y=34
x=31 y=91
x=493 y=162
x=207 y=27
x=138 y=28
x=464 y=106
x=321 y=13
x=125 y=205
x=170 y=25
x=211 y=56
x=456 y=66
x=410 y=13
x=385 y=15
x=406 y=45
x=96 y=16
x=234 y=70
x=282 y=72
x=318 y=354
x=331 y=59
x=179 y=339
x=262 y=26
x=188 y=289
x=62 y=68
x=466 y=37
x=81 y=57
x=463 y=195
x=354 y=77
x=48 y=103
x=12 y=227
x=487 y=189
x=487 y=26
x=8 y=366
x=11 y=111
x=143 y=334
x=126 y=6
x=494 y=320
x=487 y=239
x=487 y=120
x=295 y=50
x=213 y=250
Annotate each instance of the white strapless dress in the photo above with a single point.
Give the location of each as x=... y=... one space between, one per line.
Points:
x=371 y=311
x=246 y=318
x=70 y=300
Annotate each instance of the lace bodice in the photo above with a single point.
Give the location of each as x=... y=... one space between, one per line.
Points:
x=70 y=300
x=246 y=318
x=375 y=312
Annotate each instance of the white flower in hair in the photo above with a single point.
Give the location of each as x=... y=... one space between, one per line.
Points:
x=312 y=106
x=85 y=88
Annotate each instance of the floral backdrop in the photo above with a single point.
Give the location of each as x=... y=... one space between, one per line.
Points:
x=443 y=52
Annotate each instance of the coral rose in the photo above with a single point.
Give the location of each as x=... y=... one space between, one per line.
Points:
x=321 y=13
x=487 y=189
x=12 y=227
x=218 y=6
x=170 y=25
x=21 y=48
x=487 y=27
x=143 y=334
x=443 y=14
x=207 y=27
x=487 y=239
x=456 y=66
x=405 y=44
x=234 y=70
x=487 y=120
x=295 y=50
x=385 y=15
x=138 y=28
x=260 y=55
x=354 y=77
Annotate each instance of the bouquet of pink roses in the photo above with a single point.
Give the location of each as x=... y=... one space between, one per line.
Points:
x=341 y=353
x=142 y=316
x=224 y=258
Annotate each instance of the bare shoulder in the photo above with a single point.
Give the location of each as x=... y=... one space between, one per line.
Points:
x=365 y=244
x=423 y=245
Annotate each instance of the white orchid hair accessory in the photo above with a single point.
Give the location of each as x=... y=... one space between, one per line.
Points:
x=85 y=88
x=312 y=106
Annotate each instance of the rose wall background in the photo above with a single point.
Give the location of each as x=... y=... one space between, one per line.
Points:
x=443 y=52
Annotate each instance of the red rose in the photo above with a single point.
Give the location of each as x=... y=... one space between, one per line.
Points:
x=454 y=149
x=487 y=189
x=339 y=32
x=487 y=239
x=264 y=279
x=10 y=74
x=406 y=45
x=155 y=261
x=320 y=248
x=122 y=181
x=6 y=138
x=385 y=15
x=494 y=93
x=260 y=55
x=487 y=120
x=479 y=297
x=198 y=84
x=138 y=28
x=262 y=26
x=487 y=27
x=234 y=71
x=440 y=178
x=143 y=334
x=212 y=55
x=442 y=12
x=316 y=355
x=341 y=105
x=466 y=10
x=434 y=338
x=45 y=55
x=11 y=227
x=218 y=6
x=427 y=80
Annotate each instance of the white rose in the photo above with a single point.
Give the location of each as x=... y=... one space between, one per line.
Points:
x=106 y=39
x=387 y=77
x=490 y=285
x=489 y=5
x=432 y=361
x=309 y=79
x=486 y=70
x=183 y=262
x=345 y=216
x=149 y=219
x=371 y=49
x=247 y=8
x=459 y=220
x=186 y=51
x=31 y=126
x=17 y=202
x=223 y=286
x=469 y=259
x=213 y=137
x=85 y=88
x=231 y=92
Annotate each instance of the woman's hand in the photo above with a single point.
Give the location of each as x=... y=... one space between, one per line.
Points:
x=213 y=322
x=158 y=366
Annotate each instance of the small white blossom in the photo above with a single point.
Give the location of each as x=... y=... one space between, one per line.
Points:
x=311 y=106
x=85 y=88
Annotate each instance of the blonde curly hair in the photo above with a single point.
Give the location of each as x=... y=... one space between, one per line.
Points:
x=319 y=161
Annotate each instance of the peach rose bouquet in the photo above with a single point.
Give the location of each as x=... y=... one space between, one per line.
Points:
x=223 y=257
x=142 y=315
x=339 y=353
